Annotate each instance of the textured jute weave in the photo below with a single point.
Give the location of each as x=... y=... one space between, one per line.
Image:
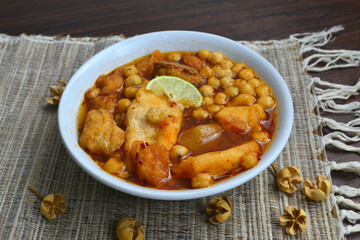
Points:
x=31 y=153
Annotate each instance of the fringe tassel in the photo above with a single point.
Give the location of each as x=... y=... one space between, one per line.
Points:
x=342 y=136
x=346 y=191
x=345 y=127
x=324 y=95
x=347 y=203
x=346 y=167
x=332 y=59
x=351 y=229
x=331 y=138
x=337 y=139
x=308 y=41
x=340 y=145
x=335 y=91
x=332 y=107
x=349 y=215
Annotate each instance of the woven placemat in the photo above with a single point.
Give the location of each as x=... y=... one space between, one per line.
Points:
x=31 y=153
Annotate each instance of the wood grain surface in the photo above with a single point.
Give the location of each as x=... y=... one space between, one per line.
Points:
x=238 y=20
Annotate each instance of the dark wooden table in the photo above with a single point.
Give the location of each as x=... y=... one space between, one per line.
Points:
x=238 y=20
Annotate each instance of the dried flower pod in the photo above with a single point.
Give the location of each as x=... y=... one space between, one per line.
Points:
x=317 y=192
x=219 y=210
x=56 y=92
x=62 y=84
x=53 y=100
x=52 y=204
x=127 y=230
x=293 y=219
x=287 y=177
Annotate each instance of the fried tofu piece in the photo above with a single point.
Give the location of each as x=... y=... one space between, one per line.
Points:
x=139 y=128
x=110 y=83
x=100 y=134
x=241 y=119
x=105 y=102
x=214 y=163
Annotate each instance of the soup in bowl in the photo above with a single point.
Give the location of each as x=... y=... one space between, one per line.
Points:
x=175 y=115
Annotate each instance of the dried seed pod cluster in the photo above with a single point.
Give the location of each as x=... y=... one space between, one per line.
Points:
x=293 y=219
x=56 y=92
x=52 y=204
x=219 y=210
x=127 y=230
x=287 y=177
x=317 y=192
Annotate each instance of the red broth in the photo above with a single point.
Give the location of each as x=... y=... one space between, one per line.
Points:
x=207 y=69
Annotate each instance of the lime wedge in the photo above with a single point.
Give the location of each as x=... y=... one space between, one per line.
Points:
x=177 y=90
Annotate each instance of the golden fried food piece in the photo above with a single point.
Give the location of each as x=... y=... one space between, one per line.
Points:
x=100 y=134
x=146 y=65
x=193 y=61
x=139 y=127
x=152 y=163
x=105 y=102
x=110 y=83
x=179 y=70
x=214 y=163
x=241 y=119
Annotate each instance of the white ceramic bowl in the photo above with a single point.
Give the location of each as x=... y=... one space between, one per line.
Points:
x=135 y=47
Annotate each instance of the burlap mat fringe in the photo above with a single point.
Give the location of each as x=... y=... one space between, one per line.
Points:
x=31 y=151
x=61 y=39
x=325 y=93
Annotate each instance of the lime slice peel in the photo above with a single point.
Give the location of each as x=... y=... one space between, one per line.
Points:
x=177 y=90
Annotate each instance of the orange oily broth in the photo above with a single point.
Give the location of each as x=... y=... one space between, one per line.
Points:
x=226 y=140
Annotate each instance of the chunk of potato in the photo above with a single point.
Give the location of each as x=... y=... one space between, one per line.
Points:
x=241 y=118
x=194 y=137
x=113 y=165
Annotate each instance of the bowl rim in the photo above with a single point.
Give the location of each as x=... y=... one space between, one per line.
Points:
x=152 y=193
